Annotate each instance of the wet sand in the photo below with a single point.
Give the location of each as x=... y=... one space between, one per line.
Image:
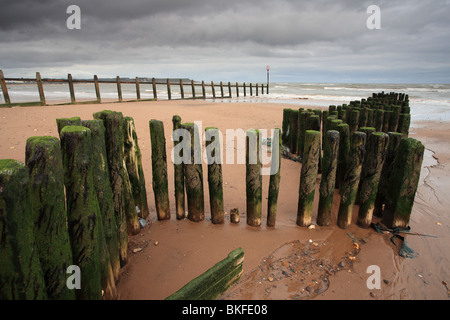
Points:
x=171 y=253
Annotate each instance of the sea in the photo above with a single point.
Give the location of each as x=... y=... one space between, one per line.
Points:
x=429 y=102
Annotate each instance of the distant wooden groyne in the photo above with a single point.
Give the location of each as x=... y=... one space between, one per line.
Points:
x=188 y=89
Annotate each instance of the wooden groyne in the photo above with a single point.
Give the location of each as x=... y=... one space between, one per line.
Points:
x=188 y=89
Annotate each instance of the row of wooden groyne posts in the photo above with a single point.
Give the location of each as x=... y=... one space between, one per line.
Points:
x=187 y=89
x=78 y=198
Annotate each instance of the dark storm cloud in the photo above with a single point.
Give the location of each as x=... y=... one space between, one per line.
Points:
x=195 y=37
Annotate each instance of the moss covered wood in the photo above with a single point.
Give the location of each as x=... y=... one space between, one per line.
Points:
x=159 y=169
x=386 y=120
x=404 y=123
x=286 y=125
x=48 y=205
x=293 y=134
x=215 y=281
x=133 y=162
x=253 y=178
x=368 y=188
x=353 y=121
x=274 y=182
x=193 y=177
x=379 y=116
x=62 y=122
x=403 y=183
x=303 y=124
x=180 y=200
x=395 y=116
x=351 y=177
x=328 y=180
x=215 y=179
x=21 y=276
x=83 y=211
x=345 y=154
x=308 y=177
x=118 y=175
x=394 y=142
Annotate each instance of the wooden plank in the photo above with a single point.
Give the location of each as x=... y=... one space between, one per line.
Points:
x=40 y=88
x=4 y=88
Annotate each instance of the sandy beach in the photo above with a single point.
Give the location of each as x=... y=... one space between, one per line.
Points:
x=285 y=262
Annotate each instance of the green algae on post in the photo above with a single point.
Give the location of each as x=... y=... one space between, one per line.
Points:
x=179 y=176
x=253 y=178
x=215 y=179
x=82 y=209
x=344 y=155
x=21 y=276
x=48 y=204
x=308 y=177
x=274 y=183
x=62 y=122
x=159 y=169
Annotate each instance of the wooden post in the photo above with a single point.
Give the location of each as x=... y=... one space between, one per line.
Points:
x=21 y=274
x=274 y=183
x=395 y=117
x=350 y=181
x=253 y=178
x=327 y=183
x=40 y=88
x=62 y=122
x=364 y=113
x=257 y=89
x=213 y=89
x=310 y=166
x=138 y=90
x=119 y=89
x=193 y=88
x=234 y=215
x=237 y=89
x=203 y=90
x=193 y=177
x=251 y=89
x=71 y=89
x=155 y=93
x=4 y=88
x=181 y=89
x=159 y=169
x=285 y=127
x=169 y=92
x=293 y=132
x=48 y=205
x=124 y=207
x=133 y=162
x=262 y=88
x=97 y=89
x=229 y=89
x=386 y=172
x=353 y=121
x=404 y=123
x=178 y=177
x=379 y=115
x=403 y=183
x=221 y=88
x=104 y=192
x=386 y=120
x=245 y=90
x=345 y=153
x=215 y=180
x=373 y=164
x=82 y=209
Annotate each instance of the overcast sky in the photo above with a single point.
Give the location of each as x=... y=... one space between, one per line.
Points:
x=229 y=40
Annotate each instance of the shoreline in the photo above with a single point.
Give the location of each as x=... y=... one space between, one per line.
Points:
x=186 y=249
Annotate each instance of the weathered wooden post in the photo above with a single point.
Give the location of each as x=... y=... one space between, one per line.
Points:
x=138 y=90
x=221 y=89
x=213 y=89
x=395 y=116
x=104 y=192
x=302 y=127
x=286 y=125
x=253 y=178
x=237 y=89
x=345 y=153
x=251 y=89
x=97 y=89
x=124 y=207
x=386 y=172
x=274 y=182
x=169 y=91
x=363 y=117
x=229 y=89
x=62 y=122
x=155 y=93
x=327 y=183
x=21 y=276
x=40 y=88
x=293 y=132
x=193 y=88
x=353 y=121
x=203 y=90
x=245 y=90
x=351 y=177
x=181 y=89
x=386 y=120
x=403 y=183
x=215 y=180
x=4 y=88
x=82 y=209
x=119 y=88
x=404 y=123
x=71 y=89
x=48 y=205
x=368 y=188
x=133 y=162
x=310 y=166
x=257 y=86
x=178 y=177
x=193 y=176
x=159 y=169
x=234 y=216
x=379 y=117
